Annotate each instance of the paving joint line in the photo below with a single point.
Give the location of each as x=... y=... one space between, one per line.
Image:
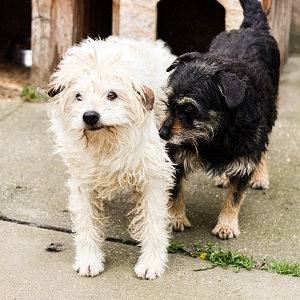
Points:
x=64 y=230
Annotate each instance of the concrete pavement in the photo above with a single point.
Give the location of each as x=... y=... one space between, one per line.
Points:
x=33 y=191
x=29 y=272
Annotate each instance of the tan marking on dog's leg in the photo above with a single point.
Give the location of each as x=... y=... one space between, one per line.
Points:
x=260 y=178
x=227 y=226
x=221 y=181
x=178 y=219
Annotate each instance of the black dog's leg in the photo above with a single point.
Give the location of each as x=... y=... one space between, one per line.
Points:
x=260 y=178
x=227 y=226
x=221 y=181
x=177 y=213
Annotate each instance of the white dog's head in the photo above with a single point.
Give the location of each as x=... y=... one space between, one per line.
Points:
x=100 y=85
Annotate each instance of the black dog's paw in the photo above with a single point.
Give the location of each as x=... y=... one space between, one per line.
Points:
x=259 y=183
x=226 y=230
x=179 y=223
x=221 y=181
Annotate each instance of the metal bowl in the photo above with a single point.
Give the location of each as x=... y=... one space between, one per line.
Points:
x=18 y=51
x=23 y=57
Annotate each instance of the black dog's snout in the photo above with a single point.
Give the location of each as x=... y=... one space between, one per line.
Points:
x=165 y=129
x=164 y=133
x=91 y=117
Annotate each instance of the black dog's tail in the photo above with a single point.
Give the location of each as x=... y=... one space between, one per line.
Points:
x=254 y=15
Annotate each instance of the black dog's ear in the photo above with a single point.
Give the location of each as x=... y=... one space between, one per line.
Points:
x=183 y=59
x=232 y=88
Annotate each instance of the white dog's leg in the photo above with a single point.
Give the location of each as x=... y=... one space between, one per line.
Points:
x=88 y=224
x=150 y=227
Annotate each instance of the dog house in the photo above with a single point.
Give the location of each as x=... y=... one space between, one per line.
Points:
x=184 y=25
x=191 y=25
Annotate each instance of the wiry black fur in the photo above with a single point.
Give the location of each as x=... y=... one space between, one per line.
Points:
x=238 y=81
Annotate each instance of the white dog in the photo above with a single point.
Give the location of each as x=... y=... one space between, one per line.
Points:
x=102 y=95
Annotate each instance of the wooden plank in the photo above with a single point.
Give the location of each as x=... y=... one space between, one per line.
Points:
x=79 y=8
x=56 y=25
x=116 y=17
x=40 y=41
x=281 y=12
x=62 y=12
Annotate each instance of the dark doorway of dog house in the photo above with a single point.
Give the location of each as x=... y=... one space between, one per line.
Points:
x=97 y=18
x=189 y=25
x=15 y=53
x=15 y=26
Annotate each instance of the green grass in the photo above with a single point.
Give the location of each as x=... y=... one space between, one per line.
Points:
x=284 y=267
x=29 y=94
x=176 y=247
x=225 y=258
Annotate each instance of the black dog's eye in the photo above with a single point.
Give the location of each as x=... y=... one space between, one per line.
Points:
x=189 y=107
x=111 y=95
x=78 y=97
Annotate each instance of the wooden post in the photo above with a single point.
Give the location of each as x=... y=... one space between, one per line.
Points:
x=281 y=12
x=40 y=42
x=56 y=25
x=116 y=17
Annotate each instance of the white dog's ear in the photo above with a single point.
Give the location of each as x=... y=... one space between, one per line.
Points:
x=53 y=91
x=148 y=98
x=48 y=91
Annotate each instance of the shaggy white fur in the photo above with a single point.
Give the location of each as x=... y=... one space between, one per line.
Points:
x=102 y=118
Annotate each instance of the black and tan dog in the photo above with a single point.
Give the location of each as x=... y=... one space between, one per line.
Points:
x=221 y=108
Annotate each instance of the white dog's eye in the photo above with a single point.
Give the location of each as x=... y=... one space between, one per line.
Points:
x=111 y=95
x=78 y=97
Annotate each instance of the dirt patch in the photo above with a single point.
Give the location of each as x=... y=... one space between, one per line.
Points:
x=12 y=79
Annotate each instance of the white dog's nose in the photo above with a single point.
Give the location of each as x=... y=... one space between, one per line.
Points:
x=91 y=117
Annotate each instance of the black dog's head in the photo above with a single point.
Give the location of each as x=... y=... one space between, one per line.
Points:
x=201 y=92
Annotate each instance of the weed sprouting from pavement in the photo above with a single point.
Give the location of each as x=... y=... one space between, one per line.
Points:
x=176 y=247
x=225 y=258
x=284 y=267
x=28 y=94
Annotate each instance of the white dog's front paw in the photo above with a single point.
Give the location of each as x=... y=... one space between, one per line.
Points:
x=89 y=267
x=149 y=269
